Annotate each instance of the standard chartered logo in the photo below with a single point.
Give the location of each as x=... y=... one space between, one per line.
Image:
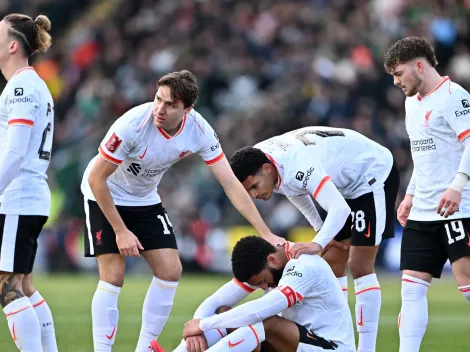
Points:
x=422 y=145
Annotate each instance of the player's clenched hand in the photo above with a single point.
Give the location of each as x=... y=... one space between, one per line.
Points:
x=333 y=243
x=404 y=209
x=449 y=203
x=300 y=248
x=196 y=343
x=128 y=243
x=191 y=328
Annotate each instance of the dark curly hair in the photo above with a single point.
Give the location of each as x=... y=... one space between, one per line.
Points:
x=408 y=49
x=250 y=257
x=247 y=161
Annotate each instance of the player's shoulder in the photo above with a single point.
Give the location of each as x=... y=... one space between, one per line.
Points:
x=198 y=122
x=136 y=117
x=26 y=82
x=457 y=91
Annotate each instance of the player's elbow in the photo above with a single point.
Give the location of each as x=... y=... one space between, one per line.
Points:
x=343 y=210
x=94 y=180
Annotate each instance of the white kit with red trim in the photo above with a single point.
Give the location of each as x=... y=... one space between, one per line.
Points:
x=26 y=101
x=437 y=124
x=308 y=293
x=306 y=159
x=144 y=153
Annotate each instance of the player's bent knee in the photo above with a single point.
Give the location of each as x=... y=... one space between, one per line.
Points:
x=112 y=268
x=359 y=266
x=170 y=272
x=272 y=324
x=222 y=309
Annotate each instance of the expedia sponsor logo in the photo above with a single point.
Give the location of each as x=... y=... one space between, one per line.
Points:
x=215 y=147
x=307 y=177
x=462 y=112
x=19 y=100
x=422 y=145
x=293 y=272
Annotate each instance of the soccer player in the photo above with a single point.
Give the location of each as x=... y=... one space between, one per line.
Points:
x=349 y=176
x=26 y=127
x=124 y=213
x=304 y=309
x=436 y=208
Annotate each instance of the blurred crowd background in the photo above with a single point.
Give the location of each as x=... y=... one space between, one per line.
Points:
x=264 y=67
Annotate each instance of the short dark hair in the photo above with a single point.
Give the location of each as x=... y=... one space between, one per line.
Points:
x=32 y=35
x=408 y=49
x=183 y=86
x=247 y=161
x=250 y=257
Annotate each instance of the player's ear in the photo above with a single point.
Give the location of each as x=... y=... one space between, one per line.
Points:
x=266 y=169
x=420 y=66
x=272 y=259
x=13 y=46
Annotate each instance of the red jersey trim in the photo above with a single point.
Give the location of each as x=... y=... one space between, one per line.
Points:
x=109 y=158
x=463 y=135
x=167 y=136
x=29 y=68
x=216 y=160
x=244 y=286
x=321 y=185
x=279 y=179
x=444 y=79
x=24 y=122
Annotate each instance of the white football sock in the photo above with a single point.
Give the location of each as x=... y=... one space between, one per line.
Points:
x=413 y=317
x=368 y=302
x=46 y=322
x=105 y=316
x=24 y=325
x=343 y=282
x=465 y=291
x=157 y=307
x=243 y=339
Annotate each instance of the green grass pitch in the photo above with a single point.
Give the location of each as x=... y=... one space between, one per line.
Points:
x=70 y=297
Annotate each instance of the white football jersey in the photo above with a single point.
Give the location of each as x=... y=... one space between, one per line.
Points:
x=143 y=153
x=26 y=100
x=309 y=157
x=316 y=300
x=436 y=125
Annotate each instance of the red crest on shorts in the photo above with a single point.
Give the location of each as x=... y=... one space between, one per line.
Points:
x=113 y=143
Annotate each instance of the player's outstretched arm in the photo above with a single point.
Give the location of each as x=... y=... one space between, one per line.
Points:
x=338 y=211
x=242 y=201
x=246 y=314
x=228 y=295
x=18 y=136
x=127 y=242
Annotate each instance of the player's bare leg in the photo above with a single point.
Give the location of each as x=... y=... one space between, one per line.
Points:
x=461 y=270
x=23 y=322
x=338 y=260
x=49 y=343
x=368 y=296
x=166 y=268
x=413 y=317
x=104 y=307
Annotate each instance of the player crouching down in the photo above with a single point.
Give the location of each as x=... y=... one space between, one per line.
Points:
x=304 y=310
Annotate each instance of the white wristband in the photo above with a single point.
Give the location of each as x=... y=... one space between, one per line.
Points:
x=459 y=182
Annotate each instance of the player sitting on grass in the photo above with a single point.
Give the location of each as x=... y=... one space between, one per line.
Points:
x=304 y=310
